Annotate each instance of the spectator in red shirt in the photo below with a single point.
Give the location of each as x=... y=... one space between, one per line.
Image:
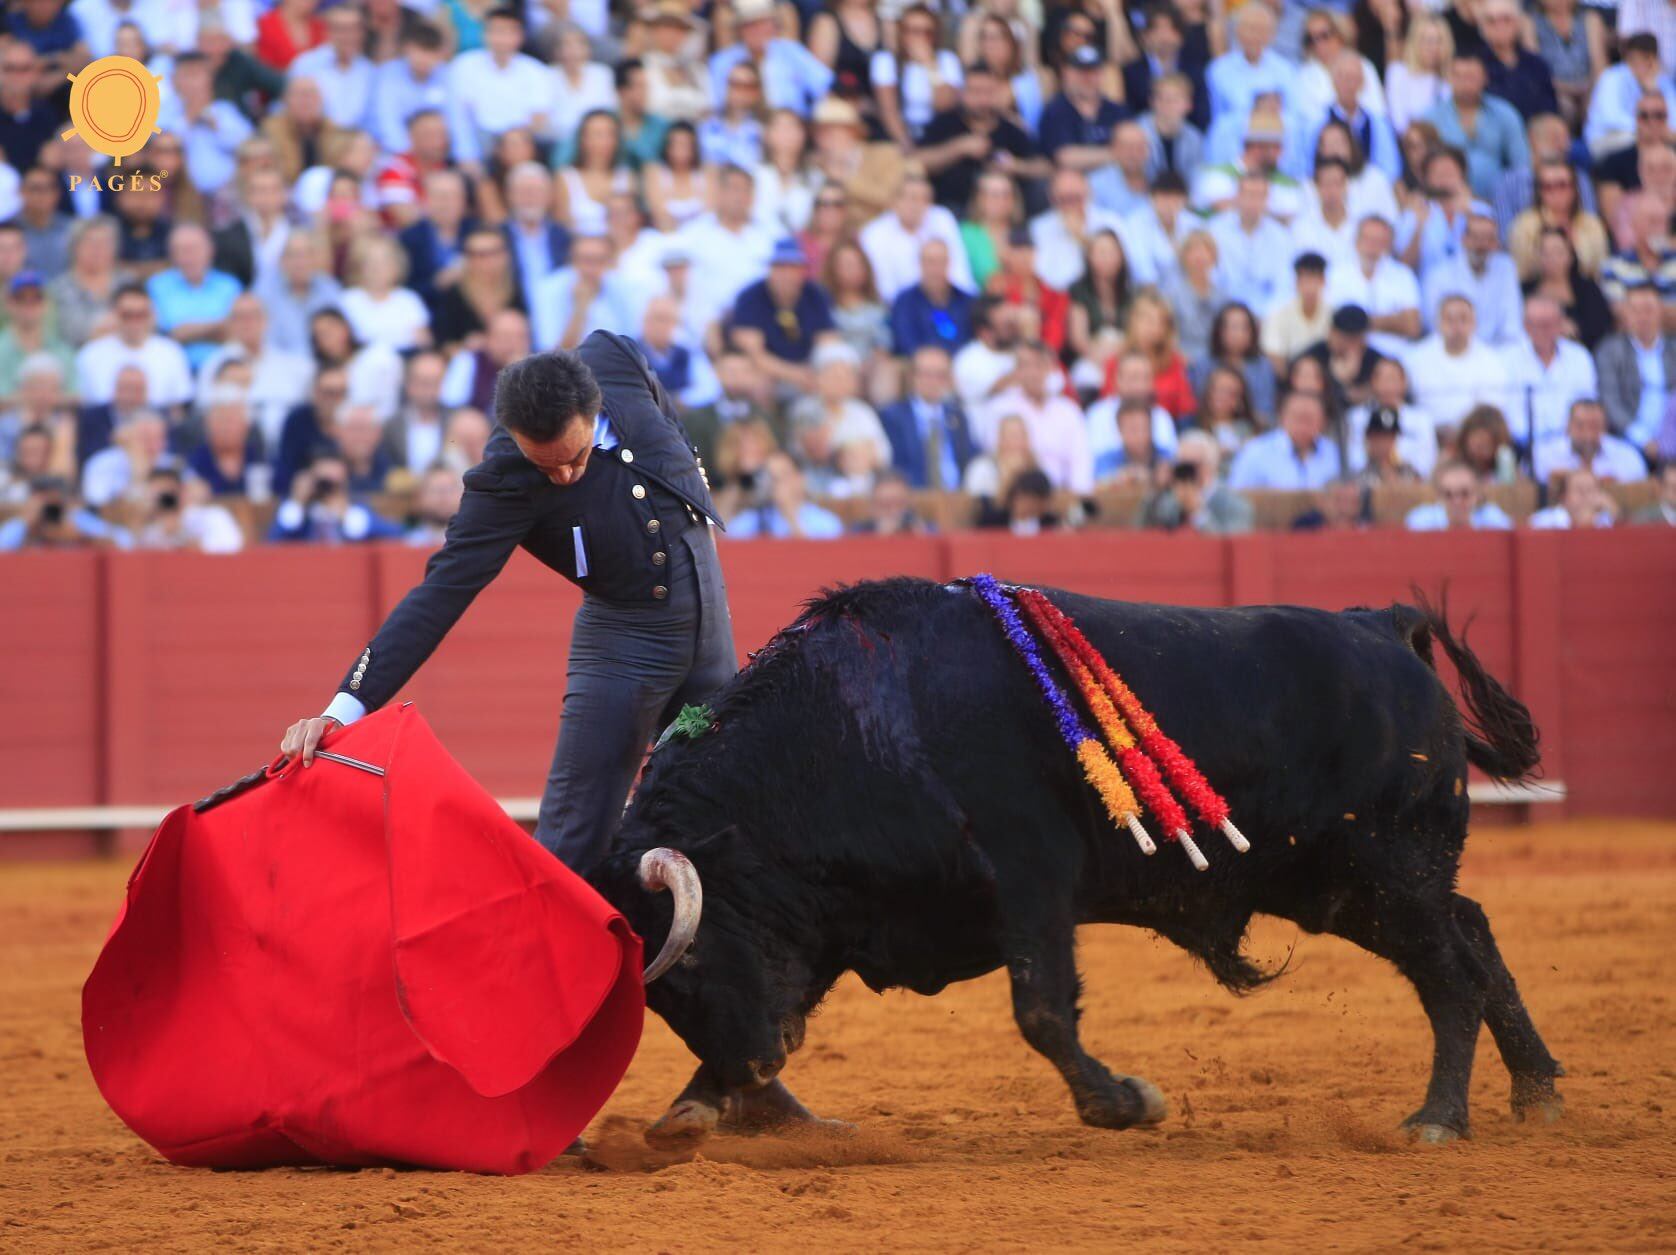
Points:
x=290 y=28
x=1016 y=283
x=1152 y=331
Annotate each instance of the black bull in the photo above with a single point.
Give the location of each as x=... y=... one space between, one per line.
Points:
x=884 y=791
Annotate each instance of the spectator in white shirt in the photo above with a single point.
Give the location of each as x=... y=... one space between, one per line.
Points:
x=580 y=85
x=1058 y=431
x=1062 y=234
x=1326 y=226
x=1582 y=504
x=278 y=380
x=1379 y=284
x=893 y=240
x=1254 y=263
x=496 y=89
x=984 y=365
x=1460 y=505
x=1546 y=373
x=379 y=309
x=1587 y=445
x=345 y=75
x=1453 y=370
x=728 y=248
x=134 y=343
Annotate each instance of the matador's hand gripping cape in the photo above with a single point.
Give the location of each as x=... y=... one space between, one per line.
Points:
x=360 y=962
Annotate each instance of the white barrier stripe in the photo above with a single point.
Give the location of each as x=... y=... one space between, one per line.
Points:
x=525 y=809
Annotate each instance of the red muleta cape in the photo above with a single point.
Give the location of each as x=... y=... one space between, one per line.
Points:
x=338 y=967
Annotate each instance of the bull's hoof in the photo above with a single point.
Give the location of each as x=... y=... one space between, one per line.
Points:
x=684 y=1125
x=1153 y=1106
x=1131 y=1103
x=1535 y=1098
x=1434 y=1134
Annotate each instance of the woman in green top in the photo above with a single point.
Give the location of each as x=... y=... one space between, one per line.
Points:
x=995 y=211
x=1100 y=299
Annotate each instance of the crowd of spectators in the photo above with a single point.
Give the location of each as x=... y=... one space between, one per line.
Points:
x=1025 y=250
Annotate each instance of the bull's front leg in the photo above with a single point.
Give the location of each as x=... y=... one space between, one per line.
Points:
x=1043 y=968
x=704 y=1105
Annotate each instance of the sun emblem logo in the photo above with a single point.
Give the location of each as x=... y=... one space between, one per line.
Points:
x=114 y=104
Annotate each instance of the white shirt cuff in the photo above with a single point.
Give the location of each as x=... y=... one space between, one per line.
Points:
x=345 y=709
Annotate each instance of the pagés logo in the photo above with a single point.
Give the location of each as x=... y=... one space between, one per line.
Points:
x=114 y=104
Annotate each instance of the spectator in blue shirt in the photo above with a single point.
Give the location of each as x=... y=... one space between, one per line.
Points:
x=778 y=320
x=792 y=77
x=1486 y=128
x=192 y=299
x=787 y=512
x=1077 y=123
x=210 y=129
x=932 y=311
x=415 y=81
x=1460 y=505
x=1295 y=456
x=1250 y=69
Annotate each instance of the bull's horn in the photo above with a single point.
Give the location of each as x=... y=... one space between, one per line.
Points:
x=670 y=869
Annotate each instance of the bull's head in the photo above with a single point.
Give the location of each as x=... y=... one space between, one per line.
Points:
x=732 y=995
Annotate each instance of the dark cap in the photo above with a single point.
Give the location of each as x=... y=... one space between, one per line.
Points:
x=1352 y=320
x=25 y=279
x=1086 y=57
x=1169 y=181
x=1384 y=421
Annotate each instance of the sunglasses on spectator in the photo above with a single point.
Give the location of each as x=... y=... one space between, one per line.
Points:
x=1319 y=34
x=1651 y=115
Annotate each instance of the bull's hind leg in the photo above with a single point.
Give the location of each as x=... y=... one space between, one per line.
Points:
x=1533 y=1069
x=1042 y=964
x=1420 y=936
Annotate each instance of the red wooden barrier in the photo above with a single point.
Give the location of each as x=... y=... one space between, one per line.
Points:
x=152 y=678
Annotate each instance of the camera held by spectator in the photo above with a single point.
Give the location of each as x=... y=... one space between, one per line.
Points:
x=52 y=518
x=1192 y=494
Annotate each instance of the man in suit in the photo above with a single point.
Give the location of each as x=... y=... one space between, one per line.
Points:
x=1165 y=53
x=930 y=439
x=1637 y=369
x=589 y=470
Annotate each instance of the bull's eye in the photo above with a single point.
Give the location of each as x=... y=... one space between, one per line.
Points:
x=688 y=960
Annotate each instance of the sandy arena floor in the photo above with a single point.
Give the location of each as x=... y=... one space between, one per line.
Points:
x=1282 y=1131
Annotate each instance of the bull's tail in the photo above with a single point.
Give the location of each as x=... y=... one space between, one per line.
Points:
x=1501 y=738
